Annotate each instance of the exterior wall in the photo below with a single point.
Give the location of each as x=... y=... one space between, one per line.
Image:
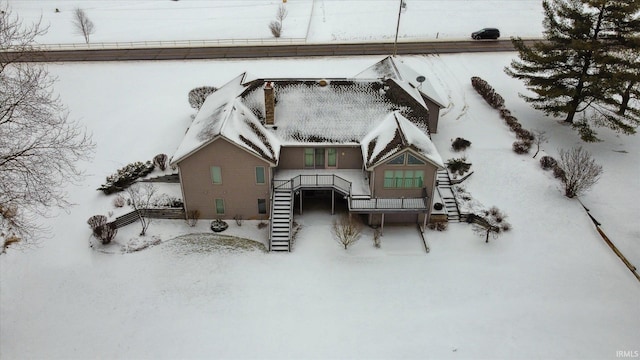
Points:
x=434 y=114
x=378 y=190
x=293 y=157
x=238 y=189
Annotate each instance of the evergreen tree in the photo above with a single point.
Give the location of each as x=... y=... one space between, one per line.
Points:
x=587 y=64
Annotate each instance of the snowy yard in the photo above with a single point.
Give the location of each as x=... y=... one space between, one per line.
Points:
x=549 y=288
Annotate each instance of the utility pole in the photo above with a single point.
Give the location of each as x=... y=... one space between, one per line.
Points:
x=395 y=43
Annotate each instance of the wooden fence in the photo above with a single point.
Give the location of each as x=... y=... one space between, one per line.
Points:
x=162 y=213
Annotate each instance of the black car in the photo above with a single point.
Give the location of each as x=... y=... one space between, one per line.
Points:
x=486 y=33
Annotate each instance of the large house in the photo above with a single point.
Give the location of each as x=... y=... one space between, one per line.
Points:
x=257 y=145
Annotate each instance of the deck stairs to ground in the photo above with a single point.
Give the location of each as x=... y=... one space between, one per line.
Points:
x=448 y=198
x=281 y=220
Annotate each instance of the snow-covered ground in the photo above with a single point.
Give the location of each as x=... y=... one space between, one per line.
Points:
x=550 y=288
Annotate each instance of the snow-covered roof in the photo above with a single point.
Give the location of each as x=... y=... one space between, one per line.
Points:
x=394 y=68
x=223 y=114
x=314 y=111
x=394 y=134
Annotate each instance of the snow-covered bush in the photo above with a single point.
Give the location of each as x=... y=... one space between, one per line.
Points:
x=460 y=144
x=525 y=135
x=547 y=162
x=126 y=176
x=487 y=92
x=347 y=230
x=521 y=146
x=491 y=221
x=166 y=201
x=96 y=221
x=276 y=28
x=160 y=161
x=458 y=165
x=558 y=173
x=198 y=95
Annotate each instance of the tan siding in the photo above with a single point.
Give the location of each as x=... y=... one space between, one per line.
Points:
x=238 y=189
x=293 y=157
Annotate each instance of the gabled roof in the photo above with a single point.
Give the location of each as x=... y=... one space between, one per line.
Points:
x=394 y=68
x=309 y=112
x=224 y=115
x=394 y=134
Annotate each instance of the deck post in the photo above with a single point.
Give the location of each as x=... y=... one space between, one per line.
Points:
x=382 y=225
x=333 y=200
x=300 y=201
x=424 y=223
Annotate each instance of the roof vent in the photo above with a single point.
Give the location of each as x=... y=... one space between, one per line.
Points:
x=323 y=82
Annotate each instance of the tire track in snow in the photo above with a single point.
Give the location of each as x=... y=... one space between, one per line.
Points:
x=436 y=62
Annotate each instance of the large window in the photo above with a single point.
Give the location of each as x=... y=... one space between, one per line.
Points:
x=260 y=178
x=219 y=206
x=216 y=175
x=403 y=179
x=320 y=158
x=405 y=159
x=262 y=206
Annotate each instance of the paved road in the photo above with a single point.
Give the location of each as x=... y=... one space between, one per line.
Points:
x=262 y=51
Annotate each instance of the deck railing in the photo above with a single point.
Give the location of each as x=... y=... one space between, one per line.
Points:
x=388 y=204
x=315 y=181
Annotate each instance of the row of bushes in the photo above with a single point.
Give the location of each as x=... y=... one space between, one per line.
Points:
x=524 y=136
x=127 y=175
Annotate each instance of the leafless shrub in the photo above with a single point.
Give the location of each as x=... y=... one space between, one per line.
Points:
x=160 y=161
x=491 y=221
x=347 y=230
x=238 y=219
x=84 y=26
x=107 y=232
x=198 y=95
x=262 y=224
x=141 y=197
x=119 y=201
x=276 y=28
x=439 y=226
x=192 y=217
x=539 y=138
x=580 y=169
x=376 y=237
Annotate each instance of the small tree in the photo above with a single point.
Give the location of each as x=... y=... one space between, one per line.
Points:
x=490 y=221
x=347 y=230
x=276 y=26
x=580 y=171
x=83 y=24
x=539 y=137
x=141 y=197
x=107 y=232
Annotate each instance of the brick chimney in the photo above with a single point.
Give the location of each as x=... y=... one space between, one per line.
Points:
x=269 y=104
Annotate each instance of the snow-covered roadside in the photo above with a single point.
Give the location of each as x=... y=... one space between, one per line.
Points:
x=550 y=288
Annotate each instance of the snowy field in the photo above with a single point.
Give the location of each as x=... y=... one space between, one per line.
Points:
x=550 y=288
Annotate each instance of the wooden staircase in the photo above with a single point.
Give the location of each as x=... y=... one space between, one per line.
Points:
x=448 y=197
x=281 y=220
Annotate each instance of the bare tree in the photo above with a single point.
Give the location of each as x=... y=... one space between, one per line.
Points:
x=141 y=197
x=539 y=138
x=282 y=13
x=347 y=230
x=580 y=171
x=83 y=24
x=39 y=144
x=490 y=222
x=276 y=26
